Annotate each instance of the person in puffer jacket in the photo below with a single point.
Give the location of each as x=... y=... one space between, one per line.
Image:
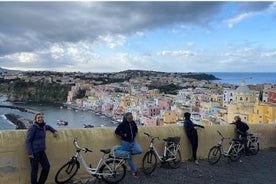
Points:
x=36 y=145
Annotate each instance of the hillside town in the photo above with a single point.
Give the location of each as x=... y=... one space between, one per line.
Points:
x=209 y=103
x=113 y=94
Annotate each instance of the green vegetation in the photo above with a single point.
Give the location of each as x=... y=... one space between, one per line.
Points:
x=40 y=92
x=168 y=89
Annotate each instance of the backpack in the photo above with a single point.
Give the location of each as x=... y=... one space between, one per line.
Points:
x=243 y=127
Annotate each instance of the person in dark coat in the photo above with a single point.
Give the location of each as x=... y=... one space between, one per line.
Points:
x=241 y=131
x=36 y=145
x=191 y=132
x=128 y=130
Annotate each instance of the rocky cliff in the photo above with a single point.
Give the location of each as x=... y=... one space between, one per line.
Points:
x=20 y=91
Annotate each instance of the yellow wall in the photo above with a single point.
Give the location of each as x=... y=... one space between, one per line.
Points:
x=15 y=166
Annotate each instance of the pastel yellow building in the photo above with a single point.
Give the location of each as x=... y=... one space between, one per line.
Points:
x=243 y=103
x=154 y=93
x=263 y=113
x=130 y=100
x=170 y=117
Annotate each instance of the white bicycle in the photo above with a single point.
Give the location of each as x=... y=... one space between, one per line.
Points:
x=110 y=168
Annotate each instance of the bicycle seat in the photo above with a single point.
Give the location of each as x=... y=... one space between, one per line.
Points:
x=105 y=151
x=175 y=140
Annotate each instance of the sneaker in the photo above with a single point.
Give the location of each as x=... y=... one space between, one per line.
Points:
x=196 y=162
x=135 y=174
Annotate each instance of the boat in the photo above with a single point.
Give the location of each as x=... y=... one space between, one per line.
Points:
x=88 y=126
x=62 y=123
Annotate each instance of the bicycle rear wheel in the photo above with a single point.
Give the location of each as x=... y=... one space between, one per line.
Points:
x=149 y=162
x=235 y=152
x=113 y=171
x=214 y=155
x=176 y=159
x=67 y=171
x=254 y=147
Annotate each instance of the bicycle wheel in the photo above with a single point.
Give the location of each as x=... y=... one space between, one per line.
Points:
x=113 y=171
x=214 y=155
x=254 y=147
x=67 y=171
x=176 y=159
x=149 y=162
x=235 y=152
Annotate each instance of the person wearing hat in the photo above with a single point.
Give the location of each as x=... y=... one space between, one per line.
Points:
x=191 y=132
x=128 y=130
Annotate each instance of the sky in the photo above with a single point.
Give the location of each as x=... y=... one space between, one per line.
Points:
x=86 y=36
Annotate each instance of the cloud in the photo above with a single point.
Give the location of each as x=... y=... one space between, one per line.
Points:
x=184 y=53
x=112 y=41
x=88 y=36
x=247 y=10
x=27 y=26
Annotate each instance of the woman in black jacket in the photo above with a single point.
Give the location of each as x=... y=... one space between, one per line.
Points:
x=191 y=132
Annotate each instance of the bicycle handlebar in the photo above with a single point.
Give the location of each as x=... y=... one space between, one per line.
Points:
x=147 y=134
x=75 y=142
x=222 y=135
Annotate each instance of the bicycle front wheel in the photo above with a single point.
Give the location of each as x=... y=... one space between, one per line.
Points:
x=235 y=152
x=67 y=171
x=113 y=171
x=149 y=162
x=214 y=155
x=175 y=157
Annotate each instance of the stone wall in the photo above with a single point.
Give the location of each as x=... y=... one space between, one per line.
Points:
x=15 y=166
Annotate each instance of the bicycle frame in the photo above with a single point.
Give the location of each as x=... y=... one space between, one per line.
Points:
x=166 y=149
x=102 y=161
x=220 y=144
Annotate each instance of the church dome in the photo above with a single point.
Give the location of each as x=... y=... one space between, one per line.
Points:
x=243 y=89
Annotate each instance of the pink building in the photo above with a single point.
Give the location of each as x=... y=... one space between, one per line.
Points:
x=272 y=96
x=153 y=111
x=164 y=105
x=151 y=121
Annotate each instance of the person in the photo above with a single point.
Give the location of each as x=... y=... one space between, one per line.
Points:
x=128 y=130
x=241 y=130
x=36 y=145
x=191 y=132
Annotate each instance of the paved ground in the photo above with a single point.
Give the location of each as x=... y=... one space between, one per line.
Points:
x=257 y=169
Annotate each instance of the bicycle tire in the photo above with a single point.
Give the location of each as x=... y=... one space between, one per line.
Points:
x=149 y=162
x=235 y=152
x=113 y=171
x=67 y=171
x=214 y=155
x=176 y=162
x=254 y=147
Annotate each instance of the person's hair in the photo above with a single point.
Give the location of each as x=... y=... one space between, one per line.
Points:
x=238 y=118
x=38 y=114
x=127 y=114
x=187 y=115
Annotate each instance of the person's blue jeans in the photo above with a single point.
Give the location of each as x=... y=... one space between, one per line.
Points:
x=134 y=148
x=39 y=158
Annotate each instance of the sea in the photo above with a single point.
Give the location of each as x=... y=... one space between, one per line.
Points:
x=77 y=118
x=251 y=78
x=54 y=113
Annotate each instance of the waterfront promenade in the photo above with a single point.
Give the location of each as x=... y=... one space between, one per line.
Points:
x=257 y=169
